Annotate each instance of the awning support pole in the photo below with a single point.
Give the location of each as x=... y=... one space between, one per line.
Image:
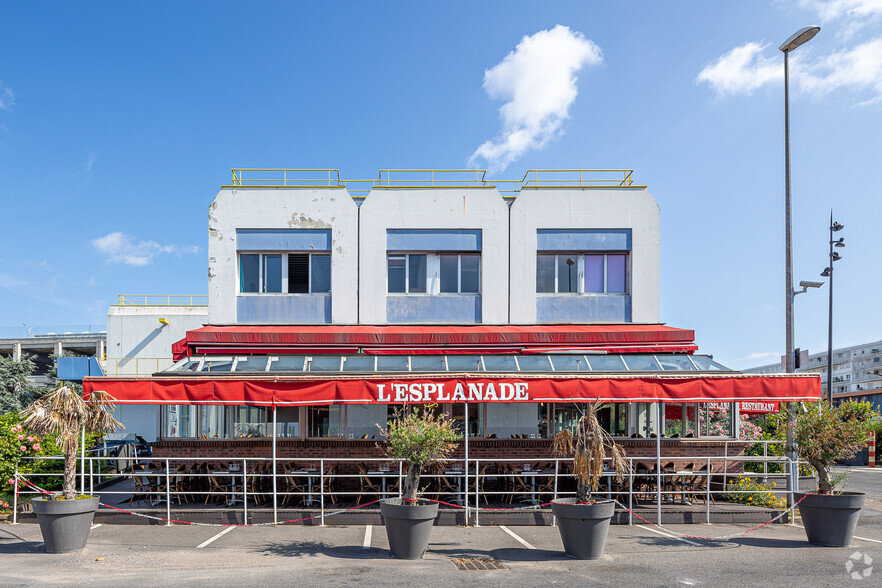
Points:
x=275 y=496
x=658 y=488
x=466 y=432
x=83 y=460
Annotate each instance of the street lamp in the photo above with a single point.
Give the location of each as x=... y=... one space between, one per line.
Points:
x=798 y=38
x=828 y=273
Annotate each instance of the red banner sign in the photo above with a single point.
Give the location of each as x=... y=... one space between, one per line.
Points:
x=397 y=390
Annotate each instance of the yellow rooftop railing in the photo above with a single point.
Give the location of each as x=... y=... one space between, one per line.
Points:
x=163 y=300
x=431 y=178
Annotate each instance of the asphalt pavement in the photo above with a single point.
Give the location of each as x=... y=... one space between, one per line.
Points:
x=156 y=555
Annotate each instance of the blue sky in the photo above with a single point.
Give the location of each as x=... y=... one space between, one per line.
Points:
x=119 y=121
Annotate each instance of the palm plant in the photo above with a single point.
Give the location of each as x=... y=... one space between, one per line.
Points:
x=64 y=413
x=588 y=446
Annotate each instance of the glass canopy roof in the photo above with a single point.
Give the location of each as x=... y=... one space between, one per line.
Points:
x=378 y=364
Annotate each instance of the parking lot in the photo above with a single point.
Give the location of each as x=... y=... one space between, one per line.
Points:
x=152 y=555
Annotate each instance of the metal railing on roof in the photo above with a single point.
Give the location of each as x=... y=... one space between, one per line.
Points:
x=163 y=300
x=431 y=178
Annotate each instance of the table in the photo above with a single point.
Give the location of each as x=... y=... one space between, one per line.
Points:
x=233 y=474
x=309 y=475
x=383 y=474
x=458 y=474
x=532 y=475
x=683 y=474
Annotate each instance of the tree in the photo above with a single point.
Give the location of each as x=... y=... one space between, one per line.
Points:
x=826 y=434
x=420 y=438
x=16 y=391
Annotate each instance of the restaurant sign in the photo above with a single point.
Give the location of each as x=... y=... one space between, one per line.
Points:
x=754 y=392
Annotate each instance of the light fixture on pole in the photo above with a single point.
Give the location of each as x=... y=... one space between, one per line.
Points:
x=798 y=38
x=828 y=273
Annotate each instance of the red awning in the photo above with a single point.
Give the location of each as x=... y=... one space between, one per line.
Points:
x=279 y=391
x=434 y=339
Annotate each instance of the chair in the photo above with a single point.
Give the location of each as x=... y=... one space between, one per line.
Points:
x=366 y=484
x=218 y=488
x=443 y=485
x=295 y=490
x=328 y=482
x=253 y=483
x=143 y=487
x=180 y=484
x=697 y=485
x=643 y=479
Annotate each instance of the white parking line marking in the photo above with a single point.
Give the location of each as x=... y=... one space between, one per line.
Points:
x=368 y=531
x=96 y=525
x=855 y=536
x=685 y=540
x=215 y=538
x=516 y=538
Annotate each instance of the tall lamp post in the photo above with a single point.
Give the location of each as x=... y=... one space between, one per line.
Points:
x=798 y=38
x=828 y=273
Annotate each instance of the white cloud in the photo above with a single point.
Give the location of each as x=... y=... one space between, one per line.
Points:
x=9 y=281
x=118 y=247
x=856 y=14
x=742 y=70
x=7 y=98
x=538 y=80
x=859 y=68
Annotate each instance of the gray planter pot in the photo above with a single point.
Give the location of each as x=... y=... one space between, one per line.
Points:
x=65 y=524
x=583 y=527
x=408 y=526
x=830 y=519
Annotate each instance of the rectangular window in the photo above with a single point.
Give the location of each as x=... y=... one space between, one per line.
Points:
x=582 y=273
x=249 y=421
x=272 y=273
x=416 y=273
x=215 y=422
x=180 y=421
x=249 y=272
x=545 y=273
x=397 y=277
x=460 y=274
x=568 y=273
x=325 y=421
x=298 y=273
x=294 y=273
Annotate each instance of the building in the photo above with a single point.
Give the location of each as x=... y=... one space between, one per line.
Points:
x=857 y=371
x=507 y=304
x=43 y=344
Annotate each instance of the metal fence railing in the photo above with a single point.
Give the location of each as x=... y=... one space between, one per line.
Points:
x=236 y=483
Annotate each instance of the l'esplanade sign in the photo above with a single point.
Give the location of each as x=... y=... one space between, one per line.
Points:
x=439 y=392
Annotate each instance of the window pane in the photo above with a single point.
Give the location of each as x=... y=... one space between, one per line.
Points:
x=250 y=421
x=396 y=273
x=594 y=273
x=569 y=363
x=606 y=363
x=325 y=363
x=358 y=363
x=615 y=273
x=288 y=421
x=392 y=363
x=321 y=273
x=449 y=273
x=500 y=363
x=471 y=271
x=427 y=363
x=249 y=272
x=217 y=365
x=215 y=422
x=675 y=362
x=534 y=363
x=287 y=363
x=298 y=273
x=545 y=273
x=180 y=421
x=464 y=363
x=567 y=273
x=641 y=363
x=255 y=363
x=416 y=273
x=272 y=273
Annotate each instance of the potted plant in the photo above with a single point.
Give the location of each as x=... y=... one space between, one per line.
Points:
x=583 y=522
x=825 y=434
x=65 y=518
x=420 y=438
